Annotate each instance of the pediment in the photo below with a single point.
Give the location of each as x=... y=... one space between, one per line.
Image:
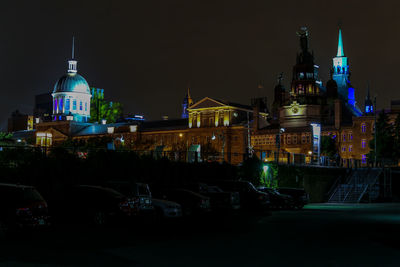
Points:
x=207 y=103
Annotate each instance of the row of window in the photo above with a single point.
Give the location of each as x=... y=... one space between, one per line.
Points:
x=286 y=139
x=59 y=105
x=363 y=145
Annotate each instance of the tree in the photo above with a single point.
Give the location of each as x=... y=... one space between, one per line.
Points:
x=101 y=109
x=385 y=140
x=5 y=138
x=328 y=146
x=252 y=170
x=396 y=134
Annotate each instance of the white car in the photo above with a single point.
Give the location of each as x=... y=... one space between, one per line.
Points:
x=167 y=209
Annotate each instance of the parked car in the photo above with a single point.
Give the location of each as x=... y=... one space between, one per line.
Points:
x=278 y=200
x=89 y=204
x=191 y=202
x=21 y=207
x=219 y=199
x=250 y=197
x=299 y=195
x=166 y=209
x=139 y=193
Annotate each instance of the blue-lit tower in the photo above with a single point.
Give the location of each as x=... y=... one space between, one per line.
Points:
x=368 y=105
x=187 y=102
x=341 y=75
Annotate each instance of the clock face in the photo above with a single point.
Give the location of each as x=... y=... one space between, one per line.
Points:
x=295 y=110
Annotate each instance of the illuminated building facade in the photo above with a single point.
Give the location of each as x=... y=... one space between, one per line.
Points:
x=218 y=130
x=289 y=137
x=20 y=122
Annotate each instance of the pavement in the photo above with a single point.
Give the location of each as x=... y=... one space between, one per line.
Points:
x=318 y=235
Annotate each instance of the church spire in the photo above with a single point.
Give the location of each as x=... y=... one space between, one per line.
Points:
x=368 y=106
x=189 y=98
x=72 y=63
x=187 y=102
x=340 y=52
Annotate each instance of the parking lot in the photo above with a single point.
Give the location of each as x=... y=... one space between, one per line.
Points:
x=319 y=235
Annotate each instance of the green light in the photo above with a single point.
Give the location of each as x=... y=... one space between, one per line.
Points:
x=265 y=168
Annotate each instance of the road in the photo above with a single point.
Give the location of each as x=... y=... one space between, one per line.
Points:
x=319 y=235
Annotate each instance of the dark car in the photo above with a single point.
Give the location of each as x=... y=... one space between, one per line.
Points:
x=88 y=204
x=191 y=202
x=138 y=193
x=278 y=200
x=219 y=199
x=21 y=207
x=299 y=195
x=250 y=197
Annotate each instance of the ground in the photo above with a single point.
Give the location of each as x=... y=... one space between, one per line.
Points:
x=319 y=235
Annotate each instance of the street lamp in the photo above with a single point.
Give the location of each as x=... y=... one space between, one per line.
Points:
x=278 y=143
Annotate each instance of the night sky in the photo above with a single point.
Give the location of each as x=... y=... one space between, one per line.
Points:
x=144 y=53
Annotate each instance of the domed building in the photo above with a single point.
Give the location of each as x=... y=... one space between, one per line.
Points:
x=71 y=96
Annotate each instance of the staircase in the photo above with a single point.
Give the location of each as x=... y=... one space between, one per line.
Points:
x=359 y=183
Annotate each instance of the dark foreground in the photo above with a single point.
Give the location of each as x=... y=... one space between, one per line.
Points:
x=319 y=235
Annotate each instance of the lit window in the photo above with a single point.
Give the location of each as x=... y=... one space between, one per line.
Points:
x=343 y=148
x=363 y=128
x=61 y=105
x=344 y=137
x=67 y=104
x=350 y=148
x=350 y=136
x=55 y=105
x=364 y=159
x=74 y=105
x=363 y=143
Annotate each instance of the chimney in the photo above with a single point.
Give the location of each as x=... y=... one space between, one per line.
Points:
x=338 y=113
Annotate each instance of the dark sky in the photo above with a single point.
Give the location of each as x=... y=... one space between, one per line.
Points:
x=144 y=53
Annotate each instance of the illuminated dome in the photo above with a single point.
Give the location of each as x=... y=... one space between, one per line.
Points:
x=71 y=95
x=72 y=82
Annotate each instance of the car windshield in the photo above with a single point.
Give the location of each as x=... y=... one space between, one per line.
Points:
x=249 y=186
x=28 y=195
x=143 y=189
x=214 y=189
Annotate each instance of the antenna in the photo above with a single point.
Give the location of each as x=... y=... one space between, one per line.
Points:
x=73 y=47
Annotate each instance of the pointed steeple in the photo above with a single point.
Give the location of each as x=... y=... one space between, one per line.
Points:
x=187 y=102
x=340 y=52
x=72 y=63
x=189 y=98
x=368 y=105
